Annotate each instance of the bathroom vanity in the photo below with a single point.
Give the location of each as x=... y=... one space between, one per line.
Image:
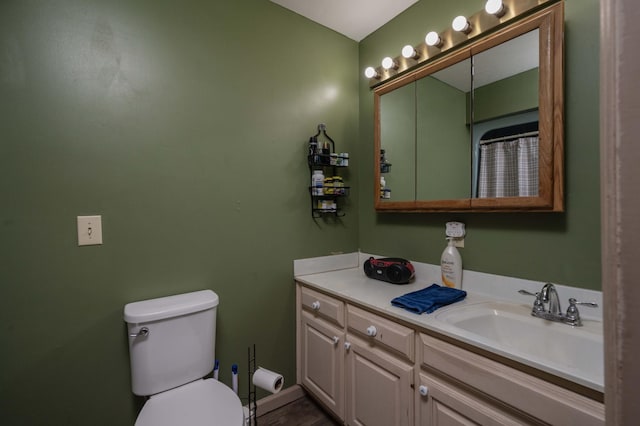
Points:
x=370 y=363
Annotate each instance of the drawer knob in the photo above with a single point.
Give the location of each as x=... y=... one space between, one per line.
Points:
x=423 y=390
x=347 y=346
x=335 y=339
x=372 y=331
x=315 y=305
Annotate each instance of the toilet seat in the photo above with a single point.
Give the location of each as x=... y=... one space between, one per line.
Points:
x=203 y=402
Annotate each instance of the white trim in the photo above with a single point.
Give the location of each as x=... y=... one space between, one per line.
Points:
x=273 y=402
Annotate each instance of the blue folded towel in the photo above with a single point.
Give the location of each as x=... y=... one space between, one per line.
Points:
x=428 y=299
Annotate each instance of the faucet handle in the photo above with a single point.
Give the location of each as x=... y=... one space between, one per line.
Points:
x=573 y=315
x=538 y=305
x=574 y=302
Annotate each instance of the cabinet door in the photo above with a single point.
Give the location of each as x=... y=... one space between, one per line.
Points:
x=379 y=387
x=443 y=404
x=322 y=361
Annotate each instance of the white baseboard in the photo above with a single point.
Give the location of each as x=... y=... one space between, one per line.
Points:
x=280 y=399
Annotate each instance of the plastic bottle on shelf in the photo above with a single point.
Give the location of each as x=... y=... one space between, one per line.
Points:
x=383 y=185
x=338 y=185
x=313 y=150
x=317 y=182
x=328 y=185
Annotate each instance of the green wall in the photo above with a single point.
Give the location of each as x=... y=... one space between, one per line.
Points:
x=185 y=125
x=398 y=139
x=442 y=137
x=562 y=248
x=496 y=99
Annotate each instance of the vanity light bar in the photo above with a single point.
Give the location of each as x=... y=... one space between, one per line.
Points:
x=495 y=12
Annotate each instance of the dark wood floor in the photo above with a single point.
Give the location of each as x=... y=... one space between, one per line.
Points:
x=301 y=412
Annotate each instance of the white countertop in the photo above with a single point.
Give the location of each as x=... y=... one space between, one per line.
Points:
x=343 y=277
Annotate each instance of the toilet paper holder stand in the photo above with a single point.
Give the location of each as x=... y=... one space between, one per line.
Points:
x=251 y=396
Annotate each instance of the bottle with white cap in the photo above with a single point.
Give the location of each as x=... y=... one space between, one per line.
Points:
x=317 y=182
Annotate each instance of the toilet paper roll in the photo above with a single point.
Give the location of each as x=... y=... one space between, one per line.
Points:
x=268 y=380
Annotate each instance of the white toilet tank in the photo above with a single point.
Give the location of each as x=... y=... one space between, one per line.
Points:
x=179 y=344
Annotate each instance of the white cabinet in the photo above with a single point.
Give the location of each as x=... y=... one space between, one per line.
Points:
x=321 y=348
x=380 y=370
x=379 y=386
x=478 y=390
x=441 y=403
x=370 y=370
x=364 y=377
x=322 y=362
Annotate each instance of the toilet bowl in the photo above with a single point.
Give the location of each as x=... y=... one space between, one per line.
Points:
x=200 y=403
x=171 y=350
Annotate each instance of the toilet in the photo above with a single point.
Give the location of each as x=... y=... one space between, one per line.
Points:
x=171 y=349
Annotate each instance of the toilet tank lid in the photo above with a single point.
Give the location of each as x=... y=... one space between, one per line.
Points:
x=170 y=306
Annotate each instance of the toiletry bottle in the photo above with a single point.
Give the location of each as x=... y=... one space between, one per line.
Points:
x=234 y=378
x=313 y=150
x=383 y=185
x=317 y=181
x=451 y=266
x=326 y=153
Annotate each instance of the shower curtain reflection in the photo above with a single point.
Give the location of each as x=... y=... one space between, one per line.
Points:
x=508 y=168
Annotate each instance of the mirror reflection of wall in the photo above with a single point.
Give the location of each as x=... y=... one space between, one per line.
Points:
x=442 y=134
x=397 y=138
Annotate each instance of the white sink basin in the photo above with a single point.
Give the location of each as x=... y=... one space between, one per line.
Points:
x=577 y=351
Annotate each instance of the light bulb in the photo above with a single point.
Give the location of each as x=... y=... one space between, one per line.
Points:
x=370 y=72
x=388 y=63
x=461 y=24
x=433 y=39
x=495 y=7
x=409 y=52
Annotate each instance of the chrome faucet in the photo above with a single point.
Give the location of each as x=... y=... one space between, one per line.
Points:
x=548 y=295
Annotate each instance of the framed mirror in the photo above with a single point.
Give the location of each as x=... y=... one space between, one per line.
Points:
x=446 y=126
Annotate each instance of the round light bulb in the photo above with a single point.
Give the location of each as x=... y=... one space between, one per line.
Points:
x=494 y=7
x=409 y=52
x=460 y=23
x=387 y=63
x=433 y=39
x=370 y=72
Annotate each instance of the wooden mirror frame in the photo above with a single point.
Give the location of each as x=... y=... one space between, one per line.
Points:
x=550 y=22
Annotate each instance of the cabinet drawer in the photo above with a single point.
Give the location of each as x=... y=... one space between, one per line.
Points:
x=323 y=305
x=381 y=331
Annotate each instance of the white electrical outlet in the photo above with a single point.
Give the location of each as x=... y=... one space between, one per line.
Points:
x=455 y=229
x=89 y=230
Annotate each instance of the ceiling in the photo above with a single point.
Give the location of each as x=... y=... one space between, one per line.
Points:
x=355 y=19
